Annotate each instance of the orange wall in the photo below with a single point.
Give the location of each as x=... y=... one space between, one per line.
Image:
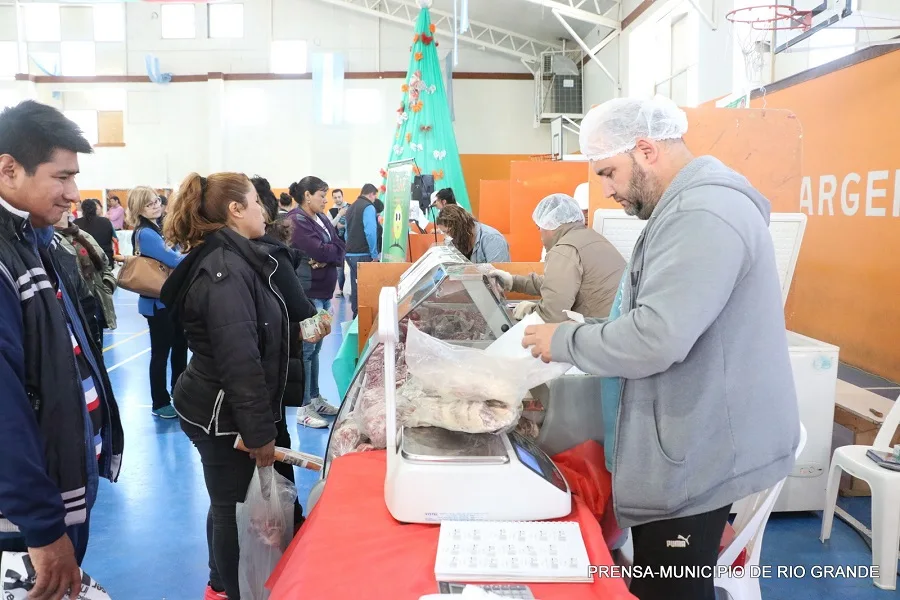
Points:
x=494 y=211
x=530 y=182
x=485 y=166
x=847 y=283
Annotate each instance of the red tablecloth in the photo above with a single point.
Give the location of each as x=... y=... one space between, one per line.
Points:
x=351 y=548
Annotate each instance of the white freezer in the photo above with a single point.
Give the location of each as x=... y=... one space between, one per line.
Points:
x=815 y=366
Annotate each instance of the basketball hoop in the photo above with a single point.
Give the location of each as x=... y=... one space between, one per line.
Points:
x=754 y=27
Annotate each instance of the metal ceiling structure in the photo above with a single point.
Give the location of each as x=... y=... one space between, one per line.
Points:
x=482 y=35
x=588 y=11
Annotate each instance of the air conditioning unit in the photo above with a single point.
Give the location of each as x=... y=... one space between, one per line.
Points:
x=559 y=86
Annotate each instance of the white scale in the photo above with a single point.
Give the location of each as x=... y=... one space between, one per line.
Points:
x=436 y=475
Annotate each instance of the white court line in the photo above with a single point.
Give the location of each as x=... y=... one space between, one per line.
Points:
x=127 y=360
x=128 y=339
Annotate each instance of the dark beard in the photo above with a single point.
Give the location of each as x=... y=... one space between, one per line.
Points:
x=642 y=193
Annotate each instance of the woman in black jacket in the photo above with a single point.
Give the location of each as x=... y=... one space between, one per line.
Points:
x=100 y=228
x=225 y=296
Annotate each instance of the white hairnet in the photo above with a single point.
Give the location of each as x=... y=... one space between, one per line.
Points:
x=615 y=126
x=556 y=210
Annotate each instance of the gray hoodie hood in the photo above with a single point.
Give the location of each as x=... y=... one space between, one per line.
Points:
x=707 y=413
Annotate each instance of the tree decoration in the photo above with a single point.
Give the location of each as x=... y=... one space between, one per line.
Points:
x=415 y=38
x=425 y=127
x=382 y=189
x=383 y=173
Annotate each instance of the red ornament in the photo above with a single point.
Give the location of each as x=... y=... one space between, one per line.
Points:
x=427 y=39
x=383 y=189
x=425 y=128
x=383 y=173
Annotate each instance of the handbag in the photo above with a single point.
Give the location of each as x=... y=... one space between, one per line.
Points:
x=143 y=275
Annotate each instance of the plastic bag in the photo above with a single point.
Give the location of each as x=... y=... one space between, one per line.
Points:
x=459 y=372
x=265 y=528
x=19 y=577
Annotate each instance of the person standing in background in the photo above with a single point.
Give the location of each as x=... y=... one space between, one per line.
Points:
x=59 y=420
x=285 y=204
x=338 y=214
x=362 y=237
x=100 y=228
x=442 y=198
x=164 y=205
x=323 y=251
x=167 y=343
x=115 y=212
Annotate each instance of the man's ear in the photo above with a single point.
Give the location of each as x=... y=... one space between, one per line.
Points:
x=648 y=150
x=10 y=170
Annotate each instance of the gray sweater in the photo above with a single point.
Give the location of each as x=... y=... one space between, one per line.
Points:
x=708 y=412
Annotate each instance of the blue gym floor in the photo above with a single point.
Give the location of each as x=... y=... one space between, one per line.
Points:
x=148 y=538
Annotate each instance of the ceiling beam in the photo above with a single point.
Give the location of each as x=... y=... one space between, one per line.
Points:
x=576 y=9
x=482 y=35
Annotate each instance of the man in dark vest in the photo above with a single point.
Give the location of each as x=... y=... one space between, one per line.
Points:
x=58 y=418
x=362 y=236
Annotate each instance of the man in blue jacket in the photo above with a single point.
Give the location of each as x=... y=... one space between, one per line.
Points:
x=362 y=236
x=58 y=418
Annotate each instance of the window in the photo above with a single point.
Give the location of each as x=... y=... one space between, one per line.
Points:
x=363 y=107
x=830 y=44
x=289 y=57
x=109 y=22
x=178 y=21
x=78 y=58
x=246 y=106
x=9 y=60
x=45 y=63
x=676 y=64
x=87 y=122
x=226 y=20
x=41 y=22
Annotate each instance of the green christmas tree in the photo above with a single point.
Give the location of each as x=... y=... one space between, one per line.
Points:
x=424 y=128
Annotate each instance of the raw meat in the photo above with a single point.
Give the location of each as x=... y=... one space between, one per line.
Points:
x=418 y=406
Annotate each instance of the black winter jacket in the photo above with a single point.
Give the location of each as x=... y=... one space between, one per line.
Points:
x=237 y=326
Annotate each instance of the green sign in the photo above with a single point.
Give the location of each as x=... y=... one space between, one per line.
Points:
x=396 y=211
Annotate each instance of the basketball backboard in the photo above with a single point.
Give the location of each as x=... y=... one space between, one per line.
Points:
x=825 y=13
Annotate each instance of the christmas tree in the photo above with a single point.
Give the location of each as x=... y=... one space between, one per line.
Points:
x=424 y=127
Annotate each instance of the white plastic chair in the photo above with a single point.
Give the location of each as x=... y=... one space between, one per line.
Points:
x=749 y=525
x=885 y=486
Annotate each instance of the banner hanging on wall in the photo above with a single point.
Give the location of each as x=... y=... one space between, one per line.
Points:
x=396 y=211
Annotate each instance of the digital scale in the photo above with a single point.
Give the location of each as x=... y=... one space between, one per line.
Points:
x=436 y=475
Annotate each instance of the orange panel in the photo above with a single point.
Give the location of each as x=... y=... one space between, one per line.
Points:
x=494 y=207
x=530 y=182
x=477 y=167
x=846 y=287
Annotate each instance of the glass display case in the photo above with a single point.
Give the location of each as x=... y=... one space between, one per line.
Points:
x=447 y=297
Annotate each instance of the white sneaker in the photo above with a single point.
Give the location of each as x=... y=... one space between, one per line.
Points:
x=308 y=417
x=322 y=406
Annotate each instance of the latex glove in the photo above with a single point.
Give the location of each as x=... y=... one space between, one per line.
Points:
x=505 y=279
x=523 y=309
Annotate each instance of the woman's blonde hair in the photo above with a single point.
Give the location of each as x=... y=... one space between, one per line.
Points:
x=200 y=207
x=138 y=199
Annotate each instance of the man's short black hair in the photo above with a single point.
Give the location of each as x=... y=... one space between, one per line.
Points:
x=30 y=132
x=337 y=191
x=163 y=200
x=369 y=189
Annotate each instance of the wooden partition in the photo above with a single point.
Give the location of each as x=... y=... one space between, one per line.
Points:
x=374 y=276
x=478 y=167
x=494 y=208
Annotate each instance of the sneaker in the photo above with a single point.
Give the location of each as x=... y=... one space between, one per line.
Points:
x=321 y=406
x=212 y=594
x=166 y=412
x=308 y=417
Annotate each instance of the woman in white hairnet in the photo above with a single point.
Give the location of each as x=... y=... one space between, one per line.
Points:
x=581 y=272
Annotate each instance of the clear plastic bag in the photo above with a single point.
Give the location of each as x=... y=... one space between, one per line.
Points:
x=265 y=528
x=462 y=373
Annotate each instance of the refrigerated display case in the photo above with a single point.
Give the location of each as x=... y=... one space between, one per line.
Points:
x=445 y=296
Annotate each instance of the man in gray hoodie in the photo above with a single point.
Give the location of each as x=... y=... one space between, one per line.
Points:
x=695 y=350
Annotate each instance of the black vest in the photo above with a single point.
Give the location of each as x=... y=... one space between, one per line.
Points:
x=356 y=232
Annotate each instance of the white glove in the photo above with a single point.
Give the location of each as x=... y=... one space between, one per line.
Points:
x=523 y=309
x=505 y=279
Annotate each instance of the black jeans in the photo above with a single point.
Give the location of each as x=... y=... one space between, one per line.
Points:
x=678 y=543
x=165 y=340
x=228 y=473
x=342 y=278
x=353 y=262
